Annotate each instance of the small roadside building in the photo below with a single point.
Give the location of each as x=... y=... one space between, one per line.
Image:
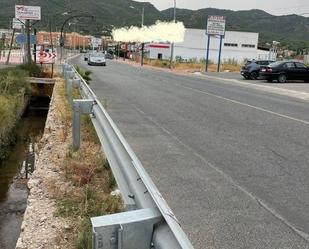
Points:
x=160 y=51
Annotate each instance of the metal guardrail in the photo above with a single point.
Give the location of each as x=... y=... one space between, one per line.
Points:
x=148 y=221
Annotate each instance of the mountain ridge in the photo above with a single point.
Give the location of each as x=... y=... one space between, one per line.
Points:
x=291 y=30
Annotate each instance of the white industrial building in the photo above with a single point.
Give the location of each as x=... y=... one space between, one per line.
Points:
x=237 y=46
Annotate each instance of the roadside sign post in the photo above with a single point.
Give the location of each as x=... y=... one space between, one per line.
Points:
x=23 y=12
x=220 y=52
x=215 y=27
x=34 y=47
x=28 y=41
x=207 y=53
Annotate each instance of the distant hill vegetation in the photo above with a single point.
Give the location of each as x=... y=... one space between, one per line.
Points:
x=291 y=30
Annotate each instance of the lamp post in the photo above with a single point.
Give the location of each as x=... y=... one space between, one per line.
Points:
x=172 y=44
x=143 y=44
x=62 y=39
x=50 y=27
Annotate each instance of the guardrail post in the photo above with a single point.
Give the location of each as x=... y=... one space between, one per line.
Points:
x=69 y=75
x=70 y=91
x=80 y=107
x=64 y=68
x=71 y=84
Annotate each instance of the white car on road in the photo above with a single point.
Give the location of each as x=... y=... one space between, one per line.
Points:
x=96 y=59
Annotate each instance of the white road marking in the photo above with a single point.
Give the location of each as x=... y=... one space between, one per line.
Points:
x=247 y=105
x=263 y=204
x=270 y=89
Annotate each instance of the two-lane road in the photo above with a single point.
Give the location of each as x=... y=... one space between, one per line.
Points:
x=232 y=162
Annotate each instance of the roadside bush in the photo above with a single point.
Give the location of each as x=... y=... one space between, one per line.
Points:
x=7 y=122
x=13 y=84
x=84 y=73
x=232 y=62
x=179 y=59
x=193 y=60
x=32 y=70
x=12 y=81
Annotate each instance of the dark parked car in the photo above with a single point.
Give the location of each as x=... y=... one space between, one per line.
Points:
x=109 y=56
x=86 y=56
x=252 y=68
x=285 y=70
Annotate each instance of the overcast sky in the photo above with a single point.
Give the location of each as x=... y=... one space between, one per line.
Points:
x=275 y=7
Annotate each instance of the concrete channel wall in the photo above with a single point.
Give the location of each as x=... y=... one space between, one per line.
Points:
x=40 y=227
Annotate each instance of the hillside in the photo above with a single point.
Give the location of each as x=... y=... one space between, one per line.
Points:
x=291 y=30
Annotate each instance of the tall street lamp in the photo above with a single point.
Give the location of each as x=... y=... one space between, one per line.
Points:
x=172 y=44
x=62 y=39
x=50 y=26
x=143 y=44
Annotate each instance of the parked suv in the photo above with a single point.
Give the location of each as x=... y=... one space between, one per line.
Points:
x=252 y=68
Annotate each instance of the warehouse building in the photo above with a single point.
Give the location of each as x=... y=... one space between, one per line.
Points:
x=236 y=46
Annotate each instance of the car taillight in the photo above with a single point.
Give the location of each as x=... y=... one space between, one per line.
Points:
x=269 y=70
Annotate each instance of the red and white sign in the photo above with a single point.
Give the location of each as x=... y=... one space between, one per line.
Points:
x=46 y=57
x=167 y=46
x=216 y=25
x=28 y=12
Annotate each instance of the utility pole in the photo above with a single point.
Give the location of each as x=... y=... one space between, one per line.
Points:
x=10 y=49
x=51 y=36
x=172 y=44
x=143 y=44
x=143 y=15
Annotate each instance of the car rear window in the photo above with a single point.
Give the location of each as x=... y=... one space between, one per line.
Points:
x=97 y=55
x=300 y=65
x=268 y=62
x=263 y=63
x=289 y=65
x=276 y=64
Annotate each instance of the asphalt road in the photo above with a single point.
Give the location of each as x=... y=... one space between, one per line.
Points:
x=232 y=162
x=290 y=85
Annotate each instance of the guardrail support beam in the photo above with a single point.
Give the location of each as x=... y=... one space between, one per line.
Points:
x=80 y=107
x=128 y=230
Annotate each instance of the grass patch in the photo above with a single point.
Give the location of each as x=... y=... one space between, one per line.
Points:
x=13 y=87
x=89 y=181
x=156 y=63
x=8 y=120
x=194 y=65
